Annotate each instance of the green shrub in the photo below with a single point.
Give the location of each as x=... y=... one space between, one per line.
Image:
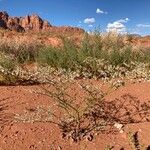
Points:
x=7 y=62
x=110 y=48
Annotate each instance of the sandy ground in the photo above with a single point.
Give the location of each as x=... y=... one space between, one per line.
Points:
x=47 y=136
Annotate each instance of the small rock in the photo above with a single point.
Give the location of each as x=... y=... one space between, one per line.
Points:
x=118 y=126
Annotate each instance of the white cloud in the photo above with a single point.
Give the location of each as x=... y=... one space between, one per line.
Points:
x=117 y=26
x=143 y=25
x=99 y=11
x=89 y=20
x=90 y=25
x=123 y=20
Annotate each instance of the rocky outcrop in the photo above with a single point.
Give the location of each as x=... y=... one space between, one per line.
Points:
x=25 y=22
x=3 y=24
x=4 y=16
x=34 y=22
x=31 y=23
x=13 y=24
x=3 y=19
x=19 y=24
x=46 y=25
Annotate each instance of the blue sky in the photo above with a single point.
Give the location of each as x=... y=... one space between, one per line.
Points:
x=120 y=15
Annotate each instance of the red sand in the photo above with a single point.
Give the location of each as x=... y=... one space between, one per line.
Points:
x=47 y=136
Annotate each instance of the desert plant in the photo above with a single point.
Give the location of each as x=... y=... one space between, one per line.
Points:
x=92 y=114
x=101 y=56
x=72 y=116
x=84 y=116
x=7 y=62
x=135 y=142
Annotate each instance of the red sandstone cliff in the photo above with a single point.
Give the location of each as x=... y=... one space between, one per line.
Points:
x=33 y=22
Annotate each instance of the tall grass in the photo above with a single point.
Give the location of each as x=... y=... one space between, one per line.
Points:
x=111 y=48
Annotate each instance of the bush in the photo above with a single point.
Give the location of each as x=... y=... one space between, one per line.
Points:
x=111 y=50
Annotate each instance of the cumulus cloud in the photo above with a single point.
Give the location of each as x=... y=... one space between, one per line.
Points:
x=143 y=25
x=99 y=11
x=117 y=26
x=89 y=20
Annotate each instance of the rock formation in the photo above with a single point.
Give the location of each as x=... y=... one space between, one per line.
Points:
x=19 y=24
x=3 y=19
x=32 y=22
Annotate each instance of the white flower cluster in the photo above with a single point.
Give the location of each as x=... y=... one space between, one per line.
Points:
x=92 y=68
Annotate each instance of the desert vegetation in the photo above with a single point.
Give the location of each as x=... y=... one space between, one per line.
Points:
x=101 y=56
x=60 y=69
x=87 y=115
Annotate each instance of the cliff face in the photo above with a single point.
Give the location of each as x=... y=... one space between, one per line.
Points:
x=3 y=20
x=33 y=22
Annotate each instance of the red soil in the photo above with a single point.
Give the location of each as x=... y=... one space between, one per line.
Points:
x=47 y=136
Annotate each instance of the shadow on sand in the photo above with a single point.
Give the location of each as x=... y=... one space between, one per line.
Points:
x=6 y=117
